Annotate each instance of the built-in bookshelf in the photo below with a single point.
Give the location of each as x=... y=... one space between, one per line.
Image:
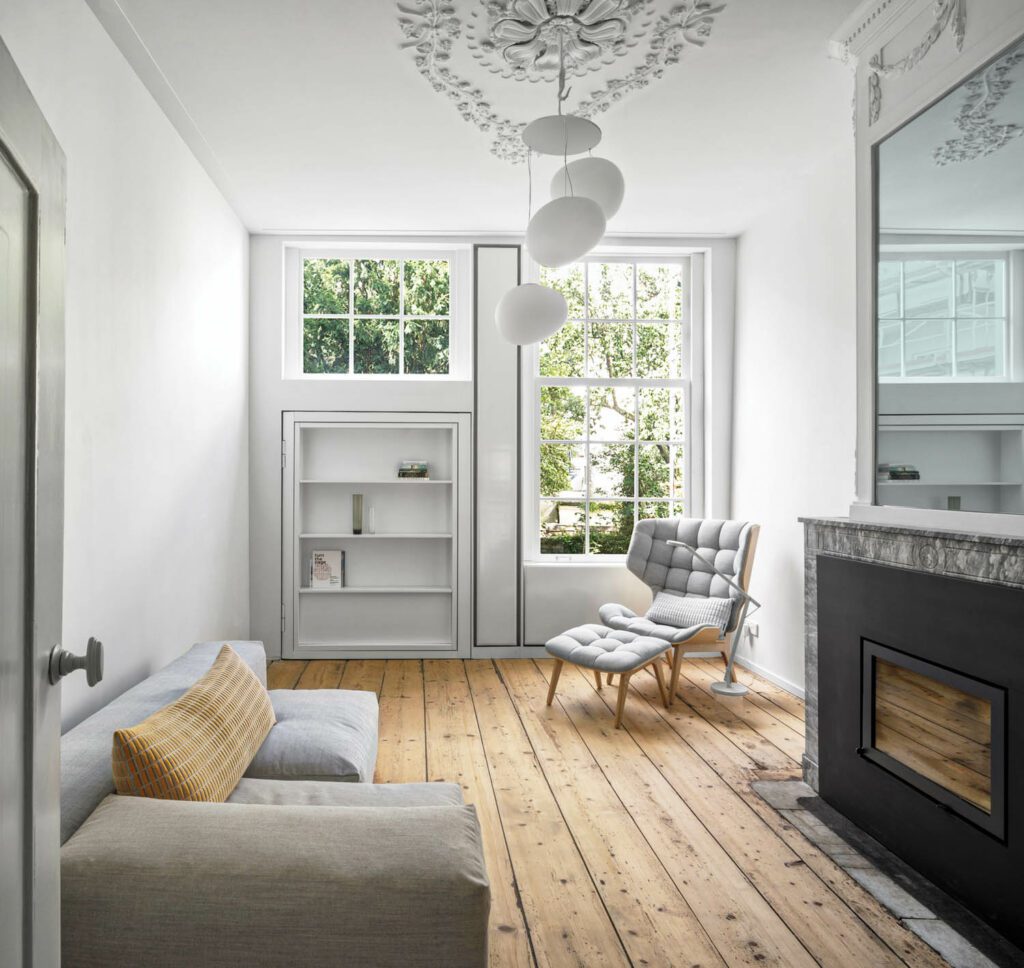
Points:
x=405 y=582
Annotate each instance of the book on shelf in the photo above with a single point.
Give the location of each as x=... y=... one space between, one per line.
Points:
x=327 y=569
x=414 y=468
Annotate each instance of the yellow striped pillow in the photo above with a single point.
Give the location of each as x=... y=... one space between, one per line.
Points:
x=198 y=747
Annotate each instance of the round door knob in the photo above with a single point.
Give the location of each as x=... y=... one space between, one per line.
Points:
x=63 y=662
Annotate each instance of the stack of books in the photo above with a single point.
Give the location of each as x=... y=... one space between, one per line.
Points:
x=903 y=472
x=414 y=468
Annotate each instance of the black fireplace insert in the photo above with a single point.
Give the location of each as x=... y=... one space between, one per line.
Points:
x=920 y=686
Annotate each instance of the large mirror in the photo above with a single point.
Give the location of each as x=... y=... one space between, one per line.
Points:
x=950 y=300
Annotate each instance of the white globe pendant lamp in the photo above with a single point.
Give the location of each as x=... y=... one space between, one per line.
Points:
x=564 y=230
x=594 y=178
x=530 y=313
x=561 y=134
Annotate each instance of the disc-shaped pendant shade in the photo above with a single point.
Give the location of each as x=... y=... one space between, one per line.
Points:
x=561 y=134
x=564 y=230
x=595 y=178
x=530 y=313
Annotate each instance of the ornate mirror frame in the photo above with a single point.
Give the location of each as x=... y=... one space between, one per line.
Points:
x=907 y=54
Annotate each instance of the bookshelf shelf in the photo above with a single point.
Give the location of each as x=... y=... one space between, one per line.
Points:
x=404 y=587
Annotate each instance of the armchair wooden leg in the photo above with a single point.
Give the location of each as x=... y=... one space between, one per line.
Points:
x=621 y=704
x=677 y=662
x=661 y=682
x=597 y=677
x=554 y=680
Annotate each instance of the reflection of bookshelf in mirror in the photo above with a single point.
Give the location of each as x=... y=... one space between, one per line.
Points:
x=405 y=589
x=966 y=462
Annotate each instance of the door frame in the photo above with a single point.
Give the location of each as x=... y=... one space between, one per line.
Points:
x=32 y=150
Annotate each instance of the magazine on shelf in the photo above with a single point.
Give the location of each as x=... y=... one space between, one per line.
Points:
x=327 y=569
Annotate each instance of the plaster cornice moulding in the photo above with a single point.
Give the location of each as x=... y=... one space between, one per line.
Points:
x=475 y=61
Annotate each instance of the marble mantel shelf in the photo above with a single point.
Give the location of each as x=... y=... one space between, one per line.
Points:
x=994 y=559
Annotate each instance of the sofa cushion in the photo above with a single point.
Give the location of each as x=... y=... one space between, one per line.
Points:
x=321 y=734
x=198 y=747
x=313 y=793
x=85 y=775
x=161 y=884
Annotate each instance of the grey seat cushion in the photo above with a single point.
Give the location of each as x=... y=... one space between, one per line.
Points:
x=316 y=793
x=165 y=884
x=321 y=734
x=609 y=650
x=85 y=771
x=687 y=611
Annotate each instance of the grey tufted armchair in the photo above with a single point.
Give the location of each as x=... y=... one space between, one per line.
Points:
x=676 y=571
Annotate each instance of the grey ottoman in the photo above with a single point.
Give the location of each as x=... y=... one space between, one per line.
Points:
x=613 y=651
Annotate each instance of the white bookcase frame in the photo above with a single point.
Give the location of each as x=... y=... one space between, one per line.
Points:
x=436 y=612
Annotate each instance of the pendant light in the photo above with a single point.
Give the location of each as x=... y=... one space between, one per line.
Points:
x=594 y=178
x=530 y=313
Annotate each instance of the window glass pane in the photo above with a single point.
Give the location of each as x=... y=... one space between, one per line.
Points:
x=611 y=470
x=611 y=527
x=375 y=346
x=653 y=509
x=325 y=346
x=654 y=470
x=426 y=288
x=889 y=289
x=568 y=280
x=325 y=286
x=612 y=413
x=611 y=350
x=928 y=347
x=426 y=346
x=659 y=291
x=678 y=509
x=610 y=289
x=656 y=357
x=562 y=470
x=928 y=288
x=678 y=471
x=980 y=347
x=980 y=287
x=890 y=336
x=562 y=528
x=562 y=411
x=377 y=287
x=661 y=413
x=562 y=353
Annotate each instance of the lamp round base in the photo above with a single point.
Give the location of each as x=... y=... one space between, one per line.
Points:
x=729 y=688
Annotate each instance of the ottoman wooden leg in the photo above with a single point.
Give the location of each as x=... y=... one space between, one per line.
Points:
x=661 y=682
x=554 y=680
x=597 y=676
x=677 y=662
x=611 y=678
x=621 y=705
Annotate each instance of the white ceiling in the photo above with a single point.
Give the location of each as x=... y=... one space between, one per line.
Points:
x=318 y=121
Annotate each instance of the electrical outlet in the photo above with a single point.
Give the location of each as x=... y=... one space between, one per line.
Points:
x=754 y=629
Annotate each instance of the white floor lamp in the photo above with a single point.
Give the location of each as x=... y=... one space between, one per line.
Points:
x=729 y=685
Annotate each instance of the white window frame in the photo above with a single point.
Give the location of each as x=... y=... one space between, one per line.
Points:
x=692 y=321
x=1013 y=337
x=459 y=309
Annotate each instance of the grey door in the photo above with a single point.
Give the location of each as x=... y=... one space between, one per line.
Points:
x=31 y=522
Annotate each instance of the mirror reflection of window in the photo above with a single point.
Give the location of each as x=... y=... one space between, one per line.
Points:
x=950 y=299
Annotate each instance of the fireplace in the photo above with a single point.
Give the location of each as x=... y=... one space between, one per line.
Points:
x=920 y=688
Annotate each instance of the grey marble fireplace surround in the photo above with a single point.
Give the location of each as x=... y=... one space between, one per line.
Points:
x=993 y=559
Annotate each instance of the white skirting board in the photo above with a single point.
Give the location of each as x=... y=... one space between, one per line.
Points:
x=791 y=687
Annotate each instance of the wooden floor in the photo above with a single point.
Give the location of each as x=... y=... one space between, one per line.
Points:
x=643 y=846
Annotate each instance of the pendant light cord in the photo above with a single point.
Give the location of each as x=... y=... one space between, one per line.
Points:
x=563 y=94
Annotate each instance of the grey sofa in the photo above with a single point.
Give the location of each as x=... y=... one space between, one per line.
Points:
x=296 y=869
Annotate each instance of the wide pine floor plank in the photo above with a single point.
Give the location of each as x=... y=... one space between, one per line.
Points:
x=568 y=921
x=367 y=674
x=284 y=673
x=321 y=674
x=402 y=749
x=455 y=754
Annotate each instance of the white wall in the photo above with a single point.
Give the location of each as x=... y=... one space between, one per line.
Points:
x=156 y=523
x=795 y=393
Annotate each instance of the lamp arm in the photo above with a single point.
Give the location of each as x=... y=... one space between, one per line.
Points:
x=693 y=551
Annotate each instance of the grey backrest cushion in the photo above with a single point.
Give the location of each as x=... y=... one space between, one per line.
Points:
x=664 y=567
x=85 y=770
x=689 y=611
